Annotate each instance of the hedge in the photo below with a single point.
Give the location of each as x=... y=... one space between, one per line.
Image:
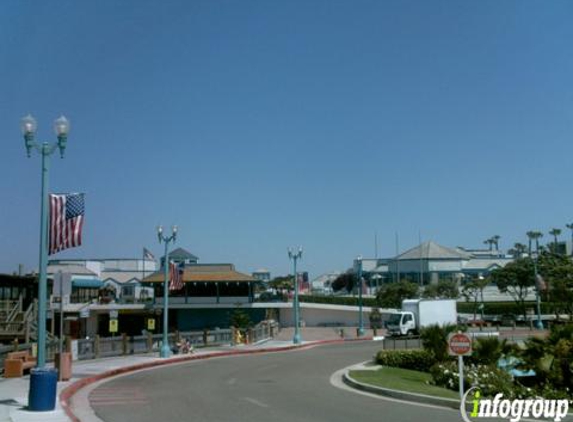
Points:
x=490 y=308
x=339 y=300
x=503 y=308
x=417 y=360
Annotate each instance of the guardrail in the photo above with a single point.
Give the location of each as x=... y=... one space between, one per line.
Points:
x=121 y=345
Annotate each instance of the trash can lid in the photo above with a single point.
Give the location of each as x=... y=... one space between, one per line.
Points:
x=41 y=371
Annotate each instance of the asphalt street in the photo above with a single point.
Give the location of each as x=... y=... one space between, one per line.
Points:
x=284 y=387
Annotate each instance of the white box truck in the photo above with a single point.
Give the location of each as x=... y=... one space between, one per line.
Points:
x=419 y=313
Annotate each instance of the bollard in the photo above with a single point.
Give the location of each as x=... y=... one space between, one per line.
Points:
x=149 y=342
x=96 y=346
x=124 y=344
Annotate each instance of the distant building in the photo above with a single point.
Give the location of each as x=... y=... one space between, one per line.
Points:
x=262 y=275
x=430 y=262
x=181 y=256
x=323 y=283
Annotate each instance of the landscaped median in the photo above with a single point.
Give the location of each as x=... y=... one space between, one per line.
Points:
x=537 y=371
x=403 y=384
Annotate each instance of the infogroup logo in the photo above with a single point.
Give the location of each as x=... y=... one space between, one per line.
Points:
x=514 y=410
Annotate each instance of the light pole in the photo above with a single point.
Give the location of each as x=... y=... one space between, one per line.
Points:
x=539 y=324
x=295 y=256
x=377 y=277
x=360 y=331
x=28 y=126
x=165 y=350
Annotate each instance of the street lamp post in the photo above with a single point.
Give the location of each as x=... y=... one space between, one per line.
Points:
x=539 y=323
x=28 y=126
x=165 y=351
x=295 y=256
x=360 y=331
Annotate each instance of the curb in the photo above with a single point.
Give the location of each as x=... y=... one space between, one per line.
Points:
x=399 y=394
x=72 y=389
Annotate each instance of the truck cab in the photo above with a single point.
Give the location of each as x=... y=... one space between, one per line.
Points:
x=401 y=324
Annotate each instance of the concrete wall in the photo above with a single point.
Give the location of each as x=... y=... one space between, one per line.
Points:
x=325 y=315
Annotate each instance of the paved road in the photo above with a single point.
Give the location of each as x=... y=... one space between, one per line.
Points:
x=283 y=387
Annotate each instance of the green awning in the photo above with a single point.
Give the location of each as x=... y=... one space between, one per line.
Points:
x=89 y=283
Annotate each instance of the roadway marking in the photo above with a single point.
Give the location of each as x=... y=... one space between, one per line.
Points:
x=256 y=402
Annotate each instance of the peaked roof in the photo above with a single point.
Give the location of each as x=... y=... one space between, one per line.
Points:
x=205 y=273
x=181 y=253
x=431 y=250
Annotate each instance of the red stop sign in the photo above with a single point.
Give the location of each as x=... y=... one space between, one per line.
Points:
x=459 y=344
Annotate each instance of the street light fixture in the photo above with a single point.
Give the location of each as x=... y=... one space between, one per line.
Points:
x=165 y=351
x=360 y=331
x=538 y=282
x=28 y=125
x=295 y=256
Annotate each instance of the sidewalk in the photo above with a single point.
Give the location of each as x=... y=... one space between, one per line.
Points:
x=14 y=391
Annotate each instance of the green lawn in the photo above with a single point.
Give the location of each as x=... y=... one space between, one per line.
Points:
x=403 y=379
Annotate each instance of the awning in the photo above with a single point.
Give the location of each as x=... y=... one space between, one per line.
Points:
x=89 y=283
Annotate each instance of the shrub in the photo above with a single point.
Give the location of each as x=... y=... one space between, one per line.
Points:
x=488 y=350
x=488 y=378
x=339 y=300
x=435 y=339
x=417 y=360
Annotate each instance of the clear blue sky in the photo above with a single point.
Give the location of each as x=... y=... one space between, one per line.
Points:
x=257 y=125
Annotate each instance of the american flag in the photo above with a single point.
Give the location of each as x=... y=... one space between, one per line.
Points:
x=175 y=277
x=66 y=221
x=148 y=255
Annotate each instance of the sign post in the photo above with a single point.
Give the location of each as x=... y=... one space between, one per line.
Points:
x=460 y=345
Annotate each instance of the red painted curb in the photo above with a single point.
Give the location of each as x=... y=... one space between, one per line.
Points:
x=69 y=391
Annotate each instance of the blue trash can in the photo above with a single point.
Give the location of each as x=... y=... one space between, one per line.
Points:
x=43 y=387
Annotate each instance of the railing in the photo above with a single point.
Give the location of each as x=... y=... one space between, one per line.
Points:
x=52 y=348
x=393 y=343
x=16 y=309
x=97 y=347
x=121 y=345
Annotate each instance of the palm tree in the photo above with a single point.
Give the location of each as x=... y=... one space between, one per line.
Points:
x=518 y=250
x=495 y=240
x=555 y=232
x=489 y=242
x=534 y=235
x=570 y=227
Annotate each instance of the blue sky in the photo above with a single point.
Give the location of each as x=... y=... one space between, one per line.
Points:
x=258 y=125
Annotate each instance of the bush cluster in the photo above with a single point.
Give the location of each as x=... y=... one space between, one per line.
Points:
x=502 y=308
x=339 y=300
x=417 y=360
x=490 y=379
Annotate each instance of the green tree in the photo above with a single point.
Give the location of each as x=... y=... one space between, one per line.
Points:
x=557 y=272
x=281 y=283
x=516 y=278
x=345 y=281
x=444 y=289
x=391 y=295
x=473 y=291
x=240 y=319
